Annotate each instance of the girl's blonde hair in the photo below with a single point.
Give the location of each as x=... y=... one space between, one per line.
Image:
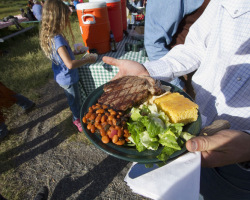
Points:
x=55 y=20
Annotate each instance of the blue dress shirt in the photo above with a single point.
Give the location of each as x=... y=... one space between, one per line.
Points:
x=161 y=23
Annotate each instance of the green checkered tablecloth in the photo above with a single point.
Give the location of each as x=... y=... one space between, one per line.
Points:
x=94 y=75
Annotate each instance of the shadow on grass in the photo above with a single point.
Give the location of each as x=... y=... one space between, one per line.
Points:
x=33 y=123
x=40 y=144
x=94 y=182
x=20 y=41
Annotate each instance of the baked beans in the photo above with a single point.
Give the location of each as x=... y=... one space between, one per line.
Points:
x=110 y=124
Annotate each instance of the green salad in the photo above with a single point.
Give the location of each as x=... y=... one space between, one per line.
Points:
x=150 y=128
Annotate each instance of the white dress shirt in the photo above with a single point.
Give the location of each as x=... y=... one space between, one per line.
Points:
x=218 y=46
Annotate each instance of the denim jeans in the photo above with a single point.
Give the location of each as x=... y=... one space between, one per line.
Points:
x=73 y=97
x=225 y=183
x=3 y=130
x=23 y=102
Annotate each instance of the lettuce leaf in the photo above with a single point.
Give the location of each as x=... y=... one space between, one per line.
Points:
x=169 y=139
x=150 y=128
x=149 y=142
x=135 y=114
x=153 y=125
x=186 y=136
x=165 y=154
x=136 y=129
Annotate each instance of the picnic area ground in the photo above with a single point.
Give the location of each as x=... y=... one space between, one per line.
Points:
x=52 y=153
x=43 y=147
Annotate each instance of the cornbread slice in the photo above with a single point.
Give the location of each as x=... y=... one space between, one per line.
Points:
x=178 y=108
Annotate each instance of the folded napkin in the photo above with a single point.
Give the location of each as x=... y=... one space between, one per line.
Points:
x=177 y=180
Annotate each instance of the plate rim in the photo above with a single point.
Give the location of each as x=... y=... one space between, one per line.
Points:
x=106 y=147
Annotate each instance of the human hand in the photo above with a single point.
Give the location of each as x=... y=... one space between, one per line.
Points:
x=90 y=58
x=126 y=67
x=80 y=49
x=221 y=148
x=76 y=52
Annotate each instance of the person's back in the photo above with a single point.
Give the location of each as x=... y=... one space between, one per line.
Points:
x=37 y=10
x=160 y=27
x=163 y=30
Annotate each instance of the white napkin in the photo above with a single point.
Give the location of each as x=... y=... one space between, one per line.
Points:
x=177 y=180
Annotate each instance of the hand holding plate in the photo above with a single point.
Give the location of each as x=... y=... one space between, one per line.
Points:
x=126 y=67
x=222 y=148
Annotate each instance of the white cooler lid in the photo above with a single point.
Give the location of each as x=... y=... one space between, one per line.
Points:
x=91 y=5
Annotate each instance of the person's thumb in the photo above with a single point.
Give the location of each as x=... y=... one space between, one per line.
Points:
x=201 y=143
x=111 y=61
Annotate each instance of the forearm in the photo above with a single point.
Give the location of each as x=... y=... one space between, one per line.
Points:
x=71 y=63
x=76 y=64
x=175 y=64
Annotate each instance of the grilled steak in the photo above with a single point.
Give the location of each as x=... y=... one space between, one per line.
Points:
x=129 y=91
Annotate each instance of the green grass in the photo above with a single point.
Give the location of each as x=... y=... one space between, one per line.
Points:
x=25 y=69
x=11 y=7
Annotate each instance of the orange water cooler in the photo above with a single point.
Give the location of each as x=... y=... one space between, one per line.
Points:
x=94 y=25
x=115 y=17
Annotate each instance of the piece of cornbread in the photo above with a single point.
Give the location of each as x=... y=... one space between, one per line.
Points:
x=178 y=108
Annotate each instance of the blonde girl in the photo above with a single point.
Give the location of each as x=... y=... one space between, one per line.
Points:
x=55 y=22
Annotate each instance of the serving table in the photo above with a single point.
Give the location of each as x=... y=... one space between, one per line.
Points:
x=94 y=75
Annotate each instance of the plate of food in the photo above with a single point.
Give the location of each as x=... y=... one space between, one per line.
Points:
x=140 y=119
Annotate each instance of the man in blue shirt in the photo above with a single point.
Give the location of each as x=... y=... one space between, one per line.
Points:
x=166 y=26
x=37 y=10
x=161 y=23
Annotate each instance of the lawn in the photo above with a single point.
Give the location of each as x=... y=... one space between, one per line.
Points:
x=24 y=69
x=11 y=7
